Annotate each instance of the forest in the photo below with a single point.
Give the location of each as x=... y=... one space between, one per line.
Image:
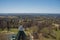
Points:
x=37 y=27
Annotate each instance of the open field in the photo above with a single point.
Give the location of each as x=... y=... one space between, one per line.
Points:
x=3 y=34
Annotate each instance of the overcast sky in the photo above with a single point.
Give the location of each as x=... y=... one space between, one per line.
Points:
x=29 y=6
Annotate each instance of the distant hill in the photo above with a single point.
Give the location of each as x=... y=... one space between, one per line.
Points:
x=30 y=14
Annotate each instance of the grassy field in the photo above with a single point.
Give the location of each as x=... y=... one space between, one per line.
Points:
x=58 y=35
x=15 y=31
x=11 y=30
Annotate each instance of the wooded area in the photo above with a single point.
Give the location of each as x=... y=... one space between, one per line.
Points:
x=40 y=27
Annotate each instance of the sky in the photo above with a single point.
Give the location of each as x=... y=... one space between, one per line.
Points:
x=29 y=6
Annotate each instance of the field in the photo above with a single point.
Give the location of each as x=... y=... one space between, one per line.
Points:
x=14 y=31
